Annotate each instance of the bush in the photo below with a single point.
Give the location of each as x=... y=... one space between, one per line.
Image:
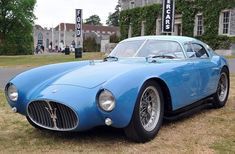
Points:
x=90 y=45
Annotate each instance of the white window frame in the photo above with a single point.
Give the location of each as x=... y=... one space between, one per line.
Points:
x=221 y=22
x=196 y=25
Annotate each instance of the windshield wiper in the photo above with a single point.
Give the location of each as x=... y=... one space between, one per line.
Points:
x=112 y=58
x=163 y=56
x=153 y=58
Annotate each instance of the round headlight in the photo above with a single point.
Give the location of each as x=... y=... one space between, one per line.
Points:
x=12 y=93
x=106 y=101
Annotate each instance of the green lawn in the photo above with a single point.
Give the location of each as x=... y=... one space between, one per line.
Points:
x=230 y=57
x=38 y=60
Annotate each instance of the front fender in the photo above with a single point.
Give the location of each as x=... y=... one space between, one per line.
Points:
x=36 y=79
x=125 y=88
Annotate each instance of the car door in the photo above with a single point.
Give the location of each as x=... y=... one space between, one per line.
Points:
x=189 y=76
x=205 y=70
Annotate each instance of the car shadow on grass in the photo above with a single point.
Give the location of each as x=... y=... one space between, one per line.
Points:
x=101 y=133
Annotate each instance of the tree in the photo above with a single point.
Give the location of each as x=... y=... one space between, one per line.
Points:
x=90 y=45
x=93 y=20
x=113 y=18
x=16 y=20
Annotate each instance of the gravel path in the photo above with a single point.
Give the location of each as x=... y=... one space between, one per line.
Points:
x=7 y=73
x=232 y=65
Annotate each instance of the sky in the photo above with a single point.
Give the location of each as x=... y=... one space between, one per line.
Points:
x=50 y=13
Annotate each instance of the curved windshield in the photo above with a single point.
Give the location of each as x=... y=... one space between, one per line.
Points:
x=149 y=48
x=127 y=49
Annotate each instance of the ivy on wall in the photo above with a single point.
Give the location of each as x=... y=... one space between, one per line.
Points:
x=209 y=8
x=135 y=16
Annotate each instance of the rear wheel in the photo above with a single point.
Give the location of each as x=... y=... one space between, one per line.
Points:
x=148 y=113
x=221 y=95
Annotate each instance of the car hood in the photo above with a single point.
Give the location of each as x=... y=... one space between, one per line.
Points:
x=90 y=76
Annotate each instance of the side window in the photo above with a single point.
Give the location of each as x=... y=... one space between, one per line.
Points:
x=189 y=51
x=200 y=51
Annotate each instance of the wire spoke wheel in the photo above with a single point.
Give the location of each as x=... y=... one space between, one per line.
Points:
x=221 y=95
x=222 y=90
x=149 y=110
x=148 y=113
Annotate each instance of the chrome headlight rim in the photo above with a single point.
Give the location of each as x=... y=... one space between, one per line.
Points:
x=112 y=100
x=11 y=92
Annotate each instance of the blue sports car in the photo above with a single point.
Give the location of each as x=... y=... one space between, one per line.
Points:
x=142 y=81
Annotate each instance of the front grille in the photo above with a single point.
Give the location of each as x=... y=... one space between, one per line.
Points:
x=52 y=115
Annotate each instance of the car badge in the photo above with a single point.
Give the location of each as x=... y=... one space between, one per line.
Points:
x=52 y=112
x=54 y=91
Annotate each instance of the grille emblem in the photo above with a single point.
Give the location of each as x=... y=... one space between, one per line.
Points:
x=52 y=112
x=54 y=91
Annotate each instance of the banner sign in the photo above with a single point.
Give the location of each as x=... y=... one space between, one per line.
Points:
x=168 y=16
x=78 y=25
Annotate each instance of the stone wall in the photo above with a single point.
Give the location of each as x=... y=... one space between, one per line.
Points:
x=225 y=52
x=125 y=4
x=232 y=24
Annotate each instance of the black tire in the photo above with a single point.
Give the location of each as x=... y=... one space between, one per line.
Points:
x=217 y=101
x=135 y=130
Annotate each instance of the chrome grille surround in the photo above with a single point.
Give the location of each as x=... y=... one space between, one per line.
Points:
x=52 y=115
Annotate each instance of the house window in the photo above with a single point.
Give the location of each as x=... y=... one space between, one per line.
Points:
x=132 y=4
x=199 y=25
x=226 y=22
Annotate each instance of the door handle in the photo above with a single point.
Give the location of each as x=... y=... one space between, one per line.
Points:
x=185 y=75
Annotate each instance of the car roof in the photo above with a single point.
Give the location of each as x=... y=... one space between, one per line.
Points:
x=180 y=39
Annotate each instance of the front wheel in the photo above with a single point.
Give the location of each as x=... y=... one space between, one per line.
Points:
x=148 y=113
x=221 y=95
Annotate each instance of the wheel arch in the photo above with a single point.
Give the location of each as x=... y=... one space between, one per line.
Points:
x=166 y=94
x=227 y=68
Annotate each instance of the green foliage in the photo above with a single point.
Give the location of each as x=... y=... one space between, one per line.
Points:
x=114 y=38
x=113 y=18
x=90 y=45
x=93 y=20
x=135 y=16
x=209 y=8
x=16 y=19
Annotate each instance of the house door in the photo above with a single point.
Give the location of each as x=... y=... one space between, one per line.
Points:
x=40 y=39
x=178 y=30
